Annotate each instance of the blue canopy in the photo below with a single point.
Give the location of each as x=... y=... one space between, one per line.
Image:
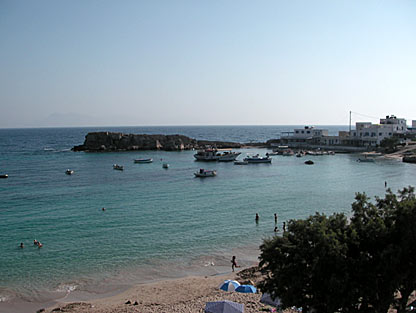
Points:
x=246 y=289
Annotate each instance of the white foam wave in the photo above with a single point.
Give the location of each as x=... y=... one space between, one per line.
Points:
x=67 y=288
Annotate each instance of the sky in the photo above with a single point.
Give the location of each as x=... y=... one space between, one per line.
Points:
x=200 y=62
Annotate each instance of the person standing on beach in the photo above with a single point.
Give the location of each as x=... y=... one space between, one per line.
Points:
x=284 y=226
x=234 y=263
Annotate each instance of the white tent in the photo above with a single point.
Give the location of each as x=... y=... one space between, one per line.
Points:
x=224 y=307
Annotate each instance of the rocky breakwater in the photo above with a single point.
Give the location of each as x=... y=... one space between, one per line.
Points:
x=110 y=141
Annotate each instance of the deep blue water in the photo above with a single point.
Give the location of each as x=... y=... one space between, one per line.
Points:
x=158 y=223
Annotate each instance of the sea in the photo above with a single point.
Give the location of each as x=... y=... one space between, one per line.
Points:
x=158 y=223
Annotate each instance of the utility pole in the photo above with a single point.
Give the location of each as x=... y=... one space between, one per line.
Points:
x=350 y=123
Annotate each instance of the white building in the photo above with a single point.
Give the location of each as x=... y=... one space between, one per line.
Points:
x=365 y=134
x=373 y=134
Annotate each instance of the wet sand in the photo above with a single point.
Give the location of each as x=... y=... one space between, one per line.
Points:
x=188 y=294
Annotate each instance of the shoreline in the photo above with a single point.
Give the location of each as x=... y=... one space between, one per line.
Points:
x=184 y=294
x=216 y=264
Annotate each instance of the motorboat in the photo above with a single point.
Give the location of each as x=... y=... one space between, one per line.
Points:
x=213 y=154
x=365 y=160
x=237 y=162
x=118 y=167
x=143 y=160
x=271 y=153
x=69 y=172
x=309 y=162
x=288 y=152
x=4 y=176
x=165 y=165
x=257 y=159
x=204 y=173
x=227 y=156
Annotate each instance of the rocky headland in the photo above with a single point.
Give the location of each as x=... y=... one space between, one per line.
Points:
x=111 y=141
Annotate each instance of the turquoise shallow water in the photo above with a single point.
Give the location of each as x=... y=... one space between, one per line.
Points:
x=158 y=223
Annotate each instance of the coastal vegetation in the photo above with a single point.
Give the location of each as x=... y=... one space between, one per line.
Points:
x=334 y=263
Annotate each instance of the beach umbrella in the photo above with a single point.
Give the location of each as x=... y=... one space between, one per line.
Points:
x=229 y=285
x=246 y=289
x=224 y=306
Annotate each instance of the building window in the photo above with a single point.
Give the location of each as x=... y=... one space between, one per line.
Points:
x=303 y=132
x=308 y=132
x=380 y=134
x=389 y=134
x=297 y=132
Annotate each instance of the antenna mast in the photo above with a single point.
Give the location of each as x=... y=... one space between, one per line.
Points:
x=350 y=123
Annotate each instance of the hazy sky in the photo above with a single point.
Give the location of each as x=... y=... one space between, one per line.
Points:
x=206 y=62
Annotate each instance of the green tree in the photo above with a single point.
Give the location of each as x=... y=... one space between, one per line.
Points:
x=307 y=266
x=330 y=264
x=390 y=143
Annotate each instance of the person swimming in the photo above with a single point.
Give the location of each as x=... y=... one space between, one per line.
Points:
x=22 y=245
x=35 y=242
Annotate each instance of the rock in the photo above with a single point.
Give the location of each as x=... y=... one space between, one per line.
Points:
x=409 y=159
x=107 y=141
x=40 y=311
x=128 y=302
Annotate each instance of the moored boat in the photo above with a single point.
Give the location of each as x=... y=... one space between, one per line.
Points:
x=69 y=172
x=118 y=167
x=365 y=160
x=4 y=176
x=204 y=173
x=271 y=153
x=257 y=159
x=165 y=165
x=143 y=160
x=213 y=154
x=309 y=162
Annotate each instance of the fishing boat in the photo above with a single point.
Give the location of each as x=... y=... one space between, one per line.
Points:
x=204 y=173
x=257 y=159
x=69 y=172
x=143 y=160
x=213 y=154
x=4 y=176
x=271 y=153
x=165 y=165
x=118 y=167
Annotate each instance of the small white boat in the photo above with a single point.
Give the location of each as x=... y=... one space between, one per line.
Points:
x=118 y=167
x=240 y=162
x=69 y=172
x=143 y=160
x=258 y=159
x=165 y=165
x=205 y=173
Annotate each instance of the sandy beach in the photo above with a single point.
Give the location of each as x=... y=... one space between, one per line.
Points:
x=179 y=295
